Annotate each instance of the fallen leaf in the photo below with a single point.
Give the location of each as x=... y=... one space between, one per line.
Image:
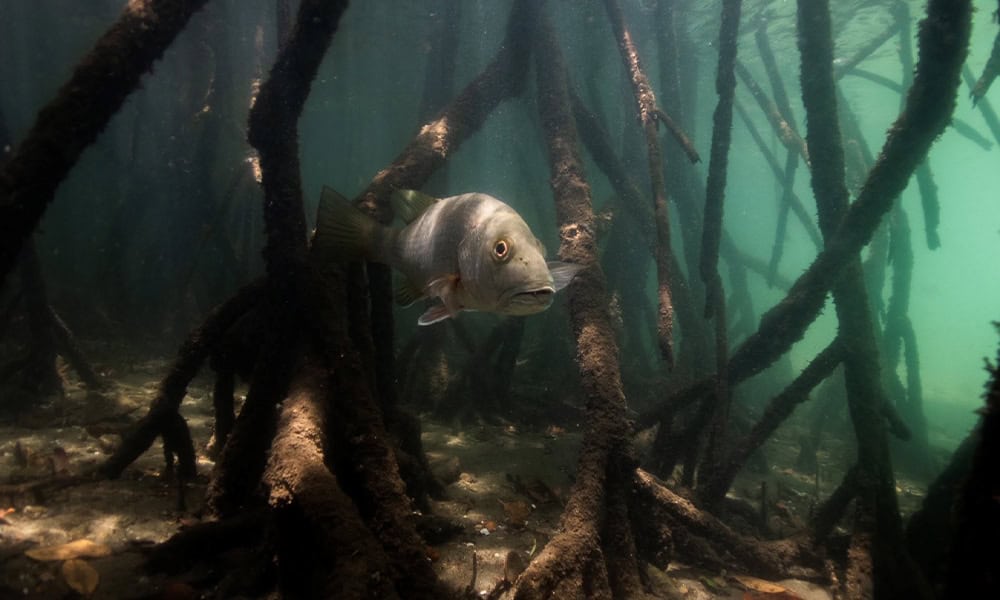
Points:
x=517 y=512
x=759 y=585
x=80 y=576
x=74 y=549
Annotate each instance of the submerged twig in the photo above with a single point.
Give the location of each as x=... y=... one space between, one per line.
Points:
x=647 y=110
x=782 y=128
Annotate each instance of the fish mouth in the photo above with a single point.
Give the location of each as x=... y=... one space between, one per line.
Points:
x=531 y=300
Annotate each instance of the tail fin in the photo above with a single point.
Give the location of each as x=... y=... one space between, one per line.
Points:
x=343 y=231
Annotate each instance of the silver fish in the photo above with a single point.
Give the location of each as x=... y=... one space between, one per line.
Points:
x=472 y=251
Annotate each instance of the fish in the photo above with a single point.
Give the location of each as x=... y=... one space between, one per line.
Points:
x=472 y=251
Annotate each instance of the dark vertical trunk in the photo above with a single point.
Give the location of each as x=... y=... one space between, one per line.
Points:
x=715 y=187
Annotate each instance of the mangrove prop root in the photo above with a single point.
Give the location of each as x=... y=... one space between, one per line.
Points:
x=943 y=42
x=722 y=125
x=273 y=123
x=598 y=143
x=370 y=464
x=680 y=135
x=715 y=190
x=366 y=466
x=81 y=109
x=38 y=373
x=205 y=541
x=797 y=206
x=792 y=159
x=699 y=538
x=878 y=527
x=193 y=352
x=437 y=140
x=778 y=409
x=572 y=565
x=984 y=105
x=990 y=72
x=832 y=509
x=972 y=573
x=646 y=109
x=70 y=349
x=782 y=128
x=324 y=549
x=867 y=50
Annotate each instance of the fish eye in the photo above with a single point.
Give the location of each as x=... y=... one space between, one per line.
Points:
x=501 y=249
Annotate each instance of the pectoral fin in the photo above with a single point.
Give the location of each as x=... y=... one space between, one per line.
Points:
x=407 y=293
x=446 y=288
x=438 y=312
x=562 y=273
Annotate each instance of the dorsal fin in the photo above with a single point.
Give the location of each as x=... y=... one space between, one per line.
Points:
x=410 y=204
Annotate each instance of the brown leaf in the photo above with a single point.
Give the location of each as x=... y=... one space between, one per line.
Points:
x=517 y=512
x=759 y=589
x=74 y=549
x=759 y=585
x=80 y=576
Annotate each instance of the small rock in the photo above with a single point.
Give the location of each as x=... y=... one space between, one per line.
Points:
x=33 y=511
